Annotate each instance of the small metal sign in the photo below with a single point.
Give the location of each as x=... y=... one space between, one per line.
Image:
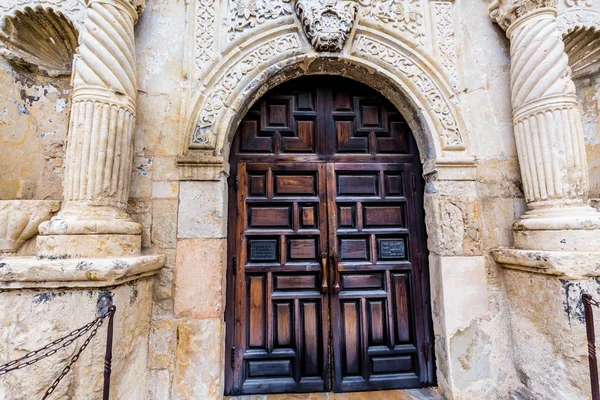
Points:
x=391 y=249
x=263 y=250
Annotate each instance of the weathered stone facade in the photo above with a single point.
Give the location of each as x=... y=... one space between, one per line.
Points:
x=113 y=184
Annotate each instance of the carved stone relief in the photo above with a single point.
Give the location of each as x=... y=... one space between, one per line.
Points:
x=451 y=136
x=248 y=14
x=205 y=32
x=326 y=23
x=444 y=29
x=204 y=135
x=404 y=15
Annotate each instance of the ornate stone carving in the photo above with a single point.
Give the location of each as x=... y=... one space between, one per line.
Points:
x=247 y=14
x=326 y=23
x=205 y=32
x=505 y=12
x=204 y=135
x=404 y=15
x=19 y=221
x=39 y=38
x=451 y=136
x=583 y=48
x=576 y=18
x=445 y=37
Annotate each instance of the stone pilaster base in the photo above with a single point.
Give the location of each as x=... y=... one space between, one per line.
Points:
x=544 y=290
x=43 y=300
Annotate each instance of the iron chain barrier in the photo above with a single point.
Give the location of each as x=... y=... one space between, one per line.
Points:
x=52 y=348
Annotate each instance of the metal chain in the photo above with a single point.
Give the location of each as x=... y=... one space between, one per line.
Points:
x=49 y=350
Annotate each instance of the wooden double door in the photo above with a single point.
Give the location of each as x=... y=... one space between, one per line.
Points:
x=327 y=279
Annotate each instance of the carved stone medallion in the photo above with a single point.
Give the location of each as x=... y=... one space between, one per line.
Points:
x=327 y=23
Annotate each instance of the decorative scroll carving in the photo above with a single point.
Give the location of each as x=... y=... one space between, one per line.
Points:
x=404 y=15
x=445 y=37
x=583 y=48
x=327 y=23
x=451 y=135
x=205 y=32
x=578 y=3
x=204 y=135
x=39 y=38
x=247 y=14
x=505 y=12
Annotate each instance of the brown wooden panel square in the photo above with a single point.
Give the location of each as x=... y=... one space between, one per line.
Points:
x=377 y=322
x=251 y=141
x=341 y=101
x=397 y=142
x=302 y=249
x=256 y=310
x=311 y=324
x=357 y=185
x=370 y=116
x=286 y=185
x=394 y=185
x=401 y=307
x=383 y=216
x=354 y=249
x=269 y=368
x=347 y=142
x=308 y=217
x=362 y=281
x=284 y=327
x=306 y=101
x=277 y=115
x=256 y=185
x=391 y=364
x=346 y=216
x=269 y=217
x=303 y=142
x=351 y=328
x=292 y=282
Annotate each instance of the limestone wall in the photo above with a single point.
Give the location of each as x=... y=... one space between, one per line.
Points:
x=34 y=115
x=588 y=92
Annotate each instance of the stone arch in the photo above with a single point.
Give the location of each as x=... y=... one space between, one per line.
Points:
x=410 y=79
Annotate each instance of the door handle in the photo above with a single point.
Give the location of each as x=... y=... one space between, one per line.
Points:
x=336 y=272
x=324 y=272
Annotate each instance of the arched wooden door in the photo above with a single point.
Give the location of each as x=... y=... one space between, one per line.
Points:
x=327 y=281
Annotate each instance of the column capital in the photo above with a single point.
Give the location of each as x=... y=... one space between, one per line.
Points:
x=506 y=12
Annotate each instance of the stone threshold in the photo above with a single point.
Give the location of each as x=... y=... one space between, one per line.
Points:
x=410 y=394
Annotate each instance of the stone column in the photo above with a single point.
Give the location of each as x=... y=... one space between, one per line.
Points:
x=93 y=220
x=548 y=132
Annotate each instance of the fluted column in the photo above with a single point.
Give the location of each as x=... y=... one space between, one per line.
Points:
x=93 y=220
x=548 y=132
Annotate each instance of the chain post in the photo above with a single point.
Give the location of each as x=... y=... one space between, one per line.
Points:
x=591 y=338
x=108 y=355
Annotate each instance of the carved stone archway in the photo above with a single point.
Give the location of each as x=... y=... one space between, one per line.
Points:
x=409 y=78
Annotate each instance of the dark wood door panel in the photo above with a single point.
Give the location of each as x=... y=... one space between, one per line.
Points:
x=281 y=329
x=327 y=281
x=375 y=340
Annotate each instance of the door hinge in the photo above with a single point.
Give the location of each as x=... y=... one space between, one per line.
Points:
x=232 y=357
x=237 y=181
x=414 y=182
x=234 y=264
